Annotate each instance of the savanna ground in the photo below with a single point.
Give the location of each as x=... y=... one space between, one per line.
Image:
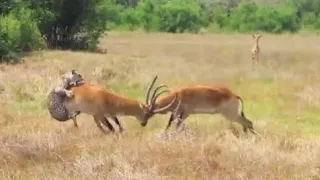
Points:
x=281 y=97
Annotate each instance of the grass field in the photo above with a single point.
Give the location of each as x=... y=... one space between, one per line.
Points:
x=281 y=97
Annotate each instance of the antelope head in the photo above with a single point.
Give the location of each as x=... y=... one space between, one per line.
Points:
x=150 y=108
x=256 y=37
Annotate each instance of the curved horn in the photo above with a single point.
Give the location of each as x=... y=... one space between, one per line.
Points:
x=149 y=88
x=153 y=100
x=155 y=92
x=167 y=106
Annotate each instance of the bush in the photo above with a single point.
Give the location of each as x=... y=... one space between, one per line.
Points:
x=166 y=16
x=310 y=20
x=9 y=34
x=180 y=16
x=19 y=33
x=78 y=24
x=130 y=19
x=75 y=24
x=146 y=10
x=30 y=38
x=244 y=16
x=249 y=16
x=287 y=17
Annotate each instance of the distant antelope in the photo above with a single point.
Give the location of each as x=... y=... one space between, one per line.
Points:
x=255 y=51
x=200 y=99
x=101 y=104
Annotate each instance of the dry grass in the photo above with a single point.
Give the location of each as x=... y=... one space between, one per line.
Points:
x=281 y=97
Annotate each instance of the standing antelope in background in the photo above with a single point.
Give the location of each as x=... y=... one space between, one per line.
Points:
x=255 y=51
x=200 y=99
x=101 y=104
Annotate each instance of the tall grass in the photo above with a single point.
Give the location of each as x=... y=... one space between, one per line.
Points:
x=280 y=97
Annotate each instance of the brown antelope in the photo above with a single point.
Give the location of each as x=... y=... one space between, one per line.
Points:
x=255 y=51
x=59 y=92
x=101 y=104
x=200 y=99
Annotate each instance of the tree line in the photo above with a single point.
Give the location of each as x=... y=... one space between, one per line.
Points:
x=27 y=25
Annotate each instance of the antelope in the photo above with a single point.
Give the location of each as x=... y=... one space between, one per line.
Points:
x=59 y=92
x=255 y=51
x=101 y=104
x=200 y=99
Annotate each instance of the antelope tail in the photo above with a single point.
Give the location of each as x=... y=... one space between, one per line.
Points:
x=240 y=99
x=242 y=114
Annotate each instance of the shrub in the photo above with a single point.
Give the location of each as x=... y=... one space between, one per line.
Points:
x=180 y=16
x=78 y=24
x=19 y=33
x=75 y=24
x=130 y=19
x=249 y=16
x=9 y=34
x=146 y=10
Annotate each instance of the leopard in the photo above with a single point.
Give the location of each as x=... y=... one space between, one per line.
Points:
x=59 y=92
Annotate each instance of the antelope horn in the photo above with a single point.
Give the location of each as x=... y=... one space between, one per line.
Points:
x=167 y=106
x=153 y=100
x=149 y=88
x=155 y=92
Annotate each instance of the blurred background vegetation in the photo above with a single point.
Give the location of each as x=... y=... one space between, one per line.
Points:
x=27 y=25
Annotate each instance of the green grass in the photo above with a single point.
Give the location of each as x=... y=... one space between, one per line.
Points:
x=280 y=96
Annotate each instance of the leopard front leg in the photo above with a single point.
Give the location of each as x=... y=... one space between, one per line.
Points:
x=68 y=93
x=61 y=91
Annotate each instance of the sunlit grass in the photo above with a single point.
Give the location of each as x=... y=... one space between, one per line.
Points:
x=281 y=97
